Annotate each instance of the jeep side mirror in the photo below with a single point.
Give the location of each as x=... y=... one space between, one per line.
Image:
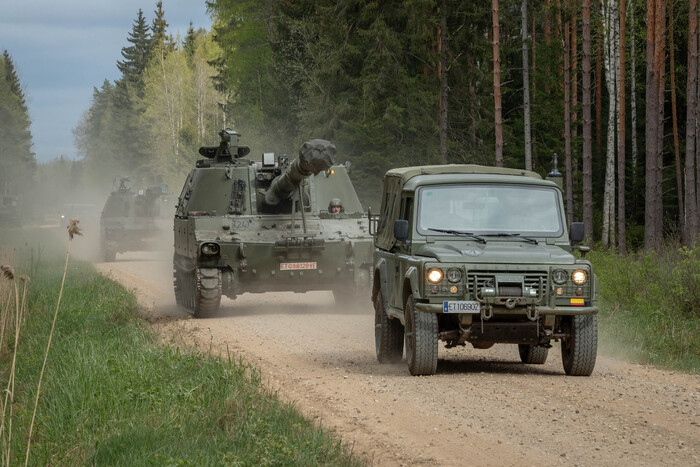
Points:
x=401 y=230
x=577 y=232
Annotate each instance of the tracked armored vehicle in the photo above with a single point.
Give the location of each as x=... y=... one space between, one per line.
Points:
x=260 y=226
x=134 y=220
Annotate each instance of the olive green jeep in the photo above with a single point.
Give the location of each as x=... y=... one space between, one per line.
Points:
x=479 y=255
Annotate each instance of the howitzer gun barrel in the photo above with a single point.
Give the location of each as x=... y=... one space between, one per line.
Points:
x=314 y=156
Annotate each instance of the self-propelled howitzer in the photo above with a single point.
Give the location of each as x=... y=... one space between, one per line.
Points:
x=259 y=226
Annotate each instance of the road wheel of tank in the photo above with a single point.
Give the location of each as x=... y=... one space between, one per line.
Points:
x=580 y=346
x=388 y=334
x=421 y=336
x=207 y=292
x=533 y=354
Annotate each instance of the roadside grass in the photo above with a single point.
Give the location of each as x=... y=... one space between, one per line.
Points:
x=113 y=396
x=650 y=306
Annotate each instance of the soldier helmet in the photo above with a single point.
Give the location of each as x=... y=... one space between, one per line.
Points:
x=335 y=203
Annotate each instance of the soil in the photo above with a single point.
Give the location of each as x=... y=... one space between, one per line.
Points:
x=482 y=408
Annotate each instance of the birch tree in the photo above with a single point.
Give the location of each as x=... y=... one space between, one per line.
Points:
x=610 y=60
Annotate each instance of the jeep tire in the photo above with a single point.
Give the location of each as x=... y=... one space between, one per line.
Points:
x=388 y=334
x=579 y=347
x=421 y=336
x=533 y=354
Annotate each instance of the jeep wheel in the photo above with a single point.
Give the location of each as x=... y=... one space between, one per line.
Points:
x=388 y=334
x=533 y=354
x=421 y=337
x=580 y=346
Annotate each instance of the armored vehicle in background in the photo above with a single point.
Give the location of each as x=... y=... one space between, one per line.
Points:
x=10 y=215
x=479 y=255
x=135 y=220
x=261 y=226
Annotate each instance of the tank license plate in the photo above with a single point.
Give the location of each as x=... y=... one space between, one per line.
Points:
x=460 y=307
x=297 y=266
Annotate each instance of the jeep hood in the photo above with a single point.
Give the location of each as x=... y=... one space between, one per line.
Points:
x=508 y=252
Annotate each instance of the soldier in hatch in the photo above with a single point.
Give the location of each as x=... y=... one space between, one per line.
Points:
x=335 y=206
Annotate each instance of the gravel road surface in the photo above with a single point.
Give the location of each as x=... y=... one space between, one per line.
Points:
x=483 y=407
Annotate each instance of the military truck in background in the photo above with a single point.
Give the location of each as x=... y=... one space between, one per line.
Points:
x=479 y=255
x=135 y=220
x=10 y=213
x=260 y=226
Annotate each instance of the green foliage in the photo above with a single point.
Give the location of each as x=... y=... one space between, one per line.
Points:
x=150 y=124
x=17 y=162
x=113 y=396
x=649 y=305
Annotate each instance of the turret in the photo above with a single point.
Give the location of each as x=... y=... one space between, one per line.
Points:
x=314 y=156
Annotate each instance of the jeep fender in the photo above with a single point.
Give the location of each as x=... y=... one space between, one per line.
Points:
x=380 y=282
x=411 y=284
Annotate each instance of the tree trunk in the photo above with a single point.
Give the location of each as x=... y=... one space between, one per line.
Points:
x=622 y=243
x=526 y=87
x=587 y=123
x=633 y=100
x=498 y=120
x=567 y=120
x=674 y=119
x=652 y=224
x=444 y=90
x=609 y=18
x=660 y=64
x=599 y=89
x=690 y=232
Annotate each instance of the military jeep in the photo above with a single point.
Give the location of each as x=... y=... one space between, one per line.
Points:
x=479 y=255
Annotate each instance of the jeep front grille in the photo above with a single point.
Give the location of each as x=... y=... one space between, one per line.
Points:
x=483 y=278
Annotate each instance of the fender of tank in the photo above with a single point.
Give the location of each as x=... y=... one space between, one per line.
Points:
x=135 y=220
x=244 y=225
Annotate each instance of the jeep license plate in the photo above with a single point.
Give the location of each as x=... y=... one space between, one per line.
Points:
x=461 y=307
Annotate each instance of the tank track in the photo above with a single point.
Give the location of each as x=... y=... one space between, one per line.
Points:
x=198 y=291
x=207 y=292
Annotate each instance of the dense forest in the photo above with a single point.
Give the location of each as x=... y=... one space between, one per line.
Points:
x=609 y=86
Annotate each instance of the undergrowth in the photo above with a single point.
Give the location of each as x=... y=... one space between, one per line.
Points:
x=113 y=396
x=650 y=306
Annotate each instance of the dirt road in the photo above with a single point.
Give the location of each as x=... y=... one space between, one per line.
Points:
x=482 y=408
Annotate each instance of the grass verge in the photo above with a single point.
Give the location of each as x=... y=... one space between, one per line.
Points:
x=650 y=306
x=113 y=396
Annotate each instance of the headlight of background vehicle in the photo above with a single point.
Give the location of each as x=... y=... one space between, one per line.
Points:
x=435 y=275
x=454 y=275
x=579 y=277
x=210 y=249
x=559 y=276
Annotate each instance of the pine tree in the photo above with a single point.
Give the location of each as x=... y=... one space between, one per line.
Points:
x=136 y=56
x=16 y=157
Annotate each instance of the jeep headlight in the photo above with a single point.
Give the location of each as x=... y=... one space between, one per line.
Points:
x=454 y=275
x=435 y=275
x=579 y=277
x=559 y=276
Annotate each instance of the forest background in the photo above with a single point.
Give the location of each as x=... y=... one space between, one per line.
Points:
x=610 y=86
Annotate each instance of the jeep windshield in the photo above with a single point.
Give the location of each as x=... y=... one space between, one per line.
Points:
x=496 y=210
